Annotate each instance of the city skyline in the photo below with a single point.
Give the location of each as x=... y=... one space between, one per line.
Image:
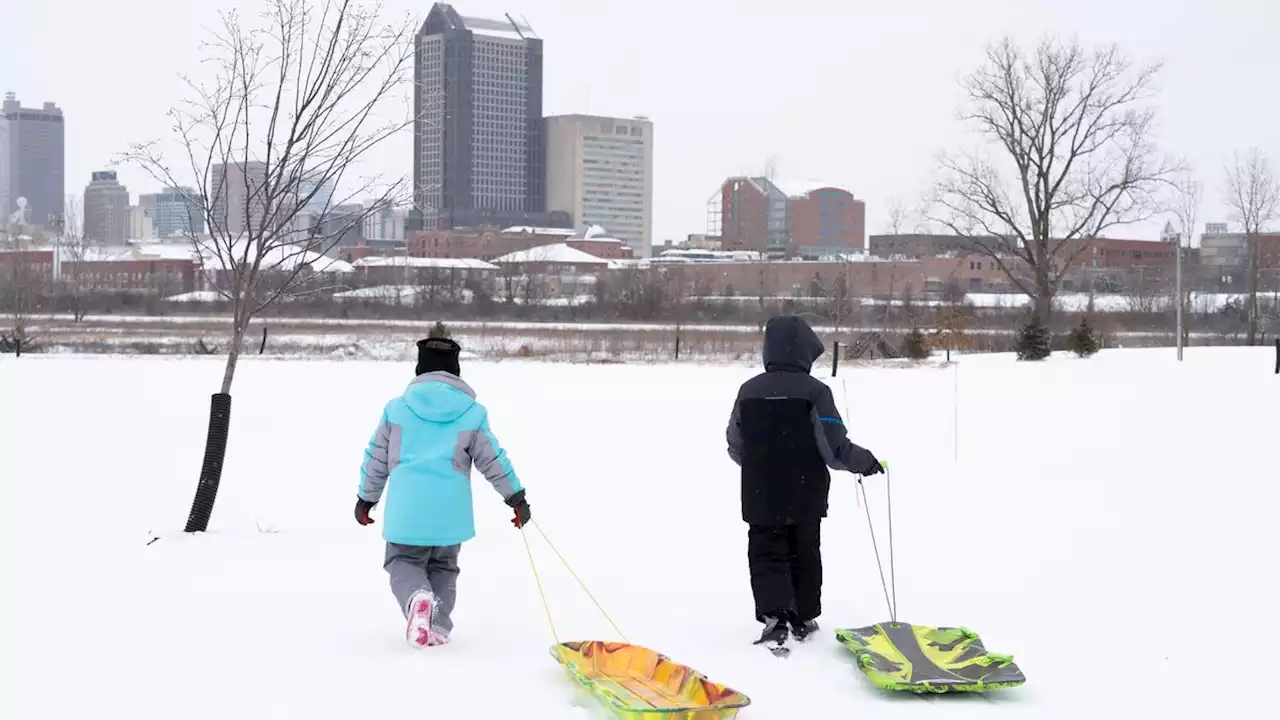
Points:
x=867 y=109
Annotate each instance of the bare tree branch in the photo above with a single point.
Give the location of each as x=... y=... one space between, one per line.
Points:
x=294 y=106
x=897 y=215
x=1073 y=157
x=1253 y=193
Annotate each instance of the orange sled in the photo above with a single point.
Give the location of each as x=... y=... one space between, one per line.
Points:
x=637 y=683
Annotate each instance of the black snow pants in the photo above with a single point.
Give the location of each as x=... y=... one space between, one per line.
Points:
x=786 y=570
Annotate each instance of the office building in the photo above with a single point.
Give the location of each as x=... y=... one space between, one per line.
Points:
x=478 y=145
x=234 y=197
x=749 y=213
x=825 y=221
x=35 y=160
x=106 y=210
x=174 y=212
x=600 y=172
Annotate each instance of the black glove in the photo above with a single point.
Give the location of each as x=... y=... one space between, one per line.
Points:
x=873 y=467
x=362 y=511
x=521 y=506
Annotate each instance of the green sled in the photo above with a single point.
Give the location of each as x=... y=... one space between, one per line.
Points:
x=921 y=659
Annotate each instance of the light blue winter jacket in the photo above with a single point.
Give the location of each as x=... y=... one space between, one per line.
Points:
x=425 y=445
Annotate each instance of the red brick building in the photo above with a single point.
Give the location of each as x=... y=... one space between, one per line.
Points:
x=826 y=220
x=487 y=244
x=918 y=245
x=105 y=271
x=1269 y=252
x=1111 y=262
x=863 y=279
x=756 y=215
x=419 y=271
x=1115 y=254
x=752 y=215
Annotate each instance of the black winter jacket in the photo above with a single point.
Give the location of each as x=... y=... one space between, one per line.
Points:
x=785 y=432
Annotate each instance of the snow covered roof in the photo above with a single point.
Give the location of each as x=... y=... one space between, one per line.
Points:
x=595 y=233
x=695 y=255
x=421 y=262
x=126 y=253
x=279 y=257
x=557 y=253
x=531 y=230
x=197 y=296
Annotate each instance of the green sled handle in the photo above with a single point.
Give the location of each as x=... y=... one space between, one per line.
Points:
x=999 y=660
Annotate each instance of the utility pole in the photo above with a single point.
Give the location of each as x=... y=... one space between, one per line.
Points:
x=1178 y=273
x=1176 y=237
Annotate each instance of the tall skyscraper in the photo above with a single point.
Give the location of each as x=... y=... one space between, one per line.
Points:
x=600 y=171
x=106 y=210
x=478 y=149
x=35 y=161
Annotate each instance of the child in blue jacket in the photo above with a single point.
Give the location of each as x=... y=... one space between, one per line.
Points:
x=425 y=445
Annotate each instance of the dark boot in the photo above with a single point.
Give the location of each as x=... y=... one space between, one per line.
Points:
x=775 y=632
x=801 y=631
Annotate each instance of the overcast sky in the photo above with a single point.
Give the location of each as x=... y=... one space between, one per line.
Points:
x=860 y=94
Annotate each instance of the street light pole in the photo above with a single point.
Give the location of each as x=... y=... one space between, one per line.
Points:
x=1178 y=273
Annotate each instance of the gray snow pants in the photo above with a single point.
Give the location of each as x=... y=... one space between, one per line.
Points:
x=414 y=568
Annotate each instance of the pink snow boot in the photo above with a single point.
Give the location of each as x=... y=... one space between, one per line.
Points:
x=419 y=631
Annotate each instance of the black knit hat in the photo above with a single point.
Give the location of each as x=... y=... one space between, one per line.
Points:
x=436 y=354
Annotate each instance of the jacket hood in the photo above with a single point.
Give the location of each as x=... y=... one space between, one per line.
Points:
x=790 y=344
x=439 y=397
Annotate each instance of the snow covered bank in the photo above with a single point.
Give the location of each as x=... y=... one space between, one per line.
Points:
x=1103 y=542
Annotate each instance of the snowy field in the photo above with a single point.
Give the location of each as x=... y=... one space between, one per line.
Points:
x=1121 y=543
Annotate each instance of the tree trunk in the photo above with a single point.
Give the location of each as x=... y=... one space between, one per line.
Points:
x=215 y=446
x=215 y=450
x=233 y=355
x=1043 y=303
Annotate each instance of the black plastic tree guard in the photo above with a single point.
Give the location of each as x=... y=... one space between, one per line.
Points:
x=835 y=358
x=215 y=450
x=1278 y=356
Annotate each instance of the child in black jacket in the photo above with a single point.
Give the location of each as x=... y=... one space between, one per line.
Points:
x=785 y=432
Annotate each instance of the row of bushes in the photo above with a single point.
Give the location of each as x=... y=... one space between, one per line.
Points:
x=1033 y=341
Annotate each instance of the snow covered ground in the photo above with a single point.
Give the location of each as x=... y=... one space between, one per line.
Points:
x=1121 y=543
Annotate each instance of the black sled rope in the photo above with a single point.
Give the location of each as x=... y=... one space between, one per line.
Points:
x=890 y=588
x=888 y=489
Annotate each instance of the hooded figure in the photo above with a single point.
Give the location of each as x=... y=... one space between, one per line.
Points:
x=421 y=454
x=786 y=435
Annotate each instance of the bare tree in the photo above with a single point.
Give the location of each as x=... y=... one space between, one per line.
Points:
x=22 y=280
x=293 y=107
x=73 y=254
x=897 y=215
x=1072 y=130
x=1253 y=193
x=1186 y=208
